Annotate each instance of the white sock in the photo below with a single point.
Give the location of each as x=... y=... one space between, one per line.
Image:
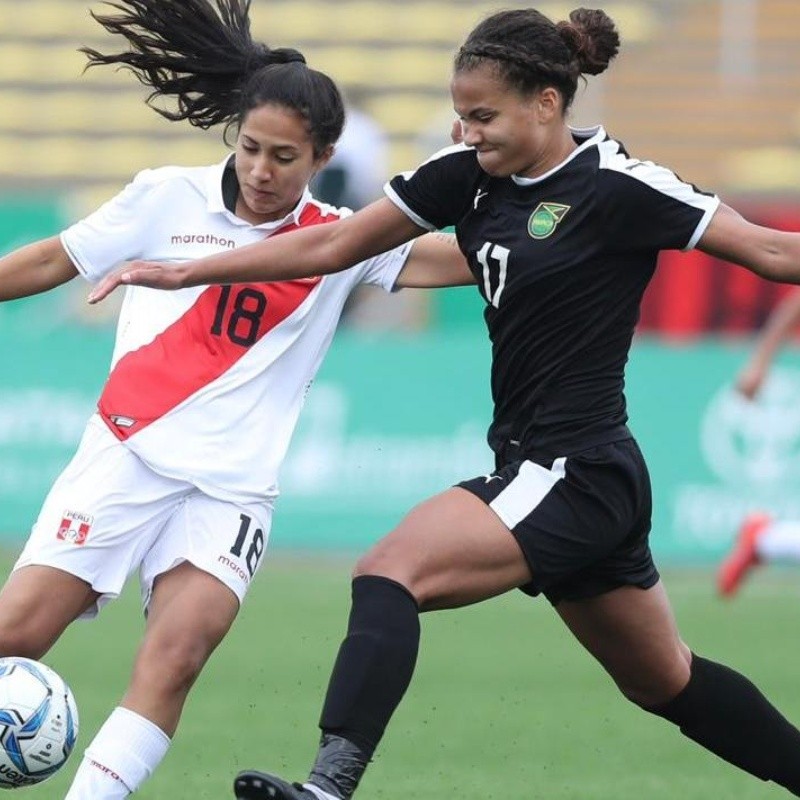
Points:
x=125 y=752
x=780 y=542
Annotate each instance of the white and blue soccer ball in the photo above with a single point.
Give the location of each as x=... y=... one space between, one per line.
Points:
x=38 y=722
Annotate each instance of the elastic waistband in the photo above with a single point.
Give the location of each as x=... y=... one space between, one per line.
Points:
x=515 y=450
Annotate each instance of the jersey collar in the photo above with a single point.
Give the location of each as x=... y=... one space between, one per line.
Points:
x=586 y=137
x=216 y=202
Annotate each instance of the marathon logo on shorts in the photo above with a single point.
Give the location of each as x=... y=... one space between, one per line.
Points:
x=74 y=527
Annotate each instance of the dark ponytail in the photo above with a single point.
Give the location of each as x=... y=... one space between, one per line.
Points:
x=203 y=55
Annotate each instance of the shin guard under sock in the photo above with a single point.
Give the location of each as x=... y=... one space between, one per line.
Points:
x=372 y=672
x=725 y=713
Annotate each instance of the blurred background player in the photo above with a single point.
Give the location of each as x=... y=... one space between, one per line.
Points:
x=353 y=178
x=762 y=539
x=359 y=167
x=176 y=474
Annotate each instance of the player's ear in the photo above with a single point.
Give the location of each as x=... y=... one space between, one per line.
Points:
x=322 y=161
x=548 y=103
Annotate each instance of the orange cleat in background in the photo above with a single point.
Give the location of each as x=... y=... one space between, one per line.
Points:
x=743 y=556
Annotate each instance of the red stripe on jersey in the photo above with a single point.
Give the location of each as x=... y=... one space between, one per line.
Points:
x=202 y=345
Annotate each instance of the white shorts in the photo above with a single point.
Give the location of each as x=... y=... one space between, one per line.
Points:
x=108 y=514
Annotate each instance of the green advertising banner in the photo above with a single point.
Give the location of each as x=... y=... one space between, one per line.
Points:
x=713 y=455
x=392 y=420
x=51 y=381
x=25 y=219
x=388 y=423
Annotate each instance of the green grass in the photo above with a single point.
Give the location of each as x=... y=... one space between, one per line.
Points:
x=504 y=704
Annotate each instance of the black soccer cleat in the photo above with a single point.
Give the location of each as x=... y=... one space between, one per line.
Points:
x=253 y=785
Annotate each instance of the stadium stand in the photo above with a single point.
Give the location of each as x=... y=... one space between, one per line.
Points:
x=668 y=97
x=716 y=103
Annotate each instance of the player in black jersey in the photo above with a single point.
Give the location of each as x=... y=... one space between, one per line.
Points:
x=561 y=229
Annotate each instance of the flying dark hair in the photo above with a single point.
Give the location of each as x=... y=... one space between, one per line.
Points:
x=202 y=53
x=531 y=52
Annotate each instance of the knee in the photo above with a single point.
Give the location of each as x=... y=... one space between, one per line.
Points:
x=370 y=563
x=395 y=568
x=384 y=560
x=652 y=688
x=170 y=666
x=17 y=639
x=648 y=695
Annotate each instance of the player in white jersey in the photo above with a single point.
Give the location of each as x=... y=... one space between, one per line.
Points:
x=761 y=539
x=176 y=473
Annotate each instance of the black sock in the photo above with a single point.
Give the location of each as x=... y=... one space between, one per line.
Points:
x=725 y=713
x=372 y=672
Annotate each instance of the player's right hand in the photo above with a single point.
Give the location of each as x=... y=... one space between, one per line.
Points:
x=153 y=274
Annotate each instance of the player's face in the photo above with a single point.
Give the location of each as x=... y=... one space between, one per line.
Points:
x=512 y=134
x=274 y=162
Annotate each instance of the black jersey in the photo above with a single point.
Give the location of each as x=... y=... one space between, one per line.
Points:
x=562 y=261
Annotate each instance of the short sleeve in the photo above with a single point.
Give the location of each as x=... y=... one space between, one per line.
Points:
x=440 y=191
x=383 y=270
x=647 y=207
x=113 y=234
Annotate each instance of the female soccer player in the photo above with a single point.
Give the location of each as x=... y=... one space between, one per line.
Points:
x=176 y=474
x=561 y=229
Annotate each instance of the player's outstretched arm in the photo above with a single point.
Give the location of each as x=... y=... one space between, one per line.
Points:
x=772 y=254
x=782 y=321
x=35 y=268
x=306 y=253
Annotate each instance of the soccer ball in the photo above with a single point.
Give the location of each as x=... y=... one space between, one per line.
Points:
x=38 y=722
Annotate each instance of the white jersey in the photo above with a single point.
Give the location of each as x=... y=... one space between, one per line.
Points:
x=207 y=383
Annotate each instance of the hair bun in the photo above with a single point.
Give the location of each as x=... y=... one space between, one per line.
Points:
x=592 y=37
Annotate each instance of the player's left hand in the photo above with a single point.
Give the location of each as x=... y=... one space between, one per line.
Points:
x=154 y=274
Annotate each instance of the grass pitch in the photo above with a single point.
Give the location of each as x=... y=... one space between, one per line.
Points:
x=504 y=703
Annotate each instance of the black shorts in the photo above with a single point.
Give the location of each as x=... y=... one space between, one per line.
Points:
x=582 y=521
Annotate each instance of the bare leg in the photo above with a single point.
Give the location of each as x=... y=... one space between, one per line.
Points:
x=189 y=615
x=37 y=603
x=190 y=612
x=633 y=635
x=449 y=551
